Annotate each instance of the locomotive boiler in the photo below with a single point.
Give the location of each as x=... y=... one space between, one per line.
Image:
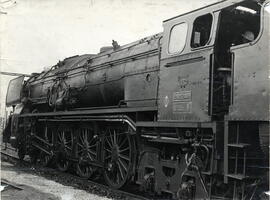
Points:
x=183 y=113
x=105 y=79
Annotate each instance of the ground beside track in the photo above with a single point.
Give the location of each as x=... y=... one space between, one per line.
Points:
x=12 y=191
x=38 y=187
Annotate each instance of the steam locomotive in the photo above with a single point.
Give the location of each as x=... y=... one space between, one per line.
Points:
x=183 y=113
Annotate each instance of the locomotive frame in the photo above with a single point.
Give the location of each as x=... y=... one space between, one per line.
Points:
x=190 y=120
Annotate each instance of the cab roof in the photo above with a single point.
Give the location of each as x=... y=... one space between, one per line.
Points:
x=212 y=7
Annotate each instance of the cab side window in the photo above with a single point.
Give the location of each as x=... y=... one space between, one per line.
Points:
x=239 y=24
x=178 y=37
x=201 y=31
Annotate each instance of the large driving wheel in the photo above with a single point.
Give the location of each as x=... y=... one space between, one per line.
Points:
x=64 y=143
x=118 y=157
x=86 y=152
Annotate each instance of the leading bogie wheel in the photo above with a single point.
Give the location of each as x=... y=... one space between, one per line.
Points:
x=118 y=157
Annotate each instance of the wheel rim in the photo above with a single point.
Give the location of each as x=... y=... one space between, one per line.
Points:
x=86 y=151
x=64 y=143
x=118 y=159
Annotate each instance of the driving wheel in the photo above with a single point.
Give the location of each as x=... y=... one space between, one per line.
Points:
x=118 y=157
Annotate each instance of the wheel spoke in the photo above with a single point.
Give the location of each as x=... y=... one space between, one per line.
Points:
x=69 y=148
x=92 y=140
x=123 y=150
x=92 y=152
x=63 y=137
x=69 y=142
x=111 y=138
x=90 y=147
x=79 y=151
x=118 y=137
x=120 y=170
x=59 y=137
x=80 y=138
x=123 y=165
x=84 y=135
x=108 y=150
x=89 y=155
x=107 y=157
x=108 y=142
x=123 y=142
x=114 y=137
x=80 y=145
x=124 y=157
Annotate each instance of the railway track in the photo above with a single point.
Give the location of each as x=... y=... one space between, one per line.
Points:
x=95 y=187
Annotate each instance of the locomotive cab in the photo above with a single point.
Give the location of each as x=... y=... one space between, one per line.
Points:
x=203 y=55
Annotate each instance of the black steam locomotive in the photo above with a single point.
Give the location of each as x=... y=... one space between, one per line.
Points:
x=184 y=112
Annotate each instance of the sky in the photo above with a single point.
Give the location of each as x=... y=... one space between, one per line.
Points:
x=36 y=34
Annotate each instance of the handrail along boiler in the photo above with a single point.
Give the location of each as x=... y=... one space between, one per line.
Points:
x=184 y=112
